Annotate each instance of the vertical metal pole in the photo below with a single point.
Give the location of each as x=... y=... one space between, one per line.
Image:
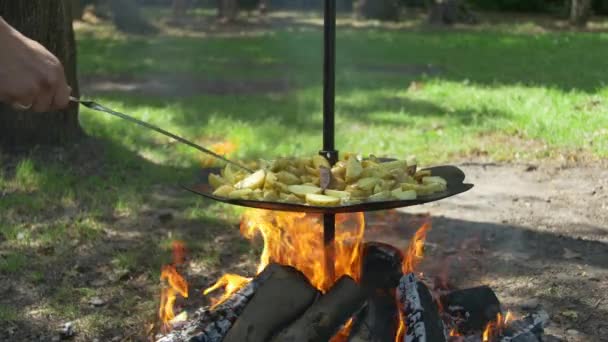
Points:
x=329 y=151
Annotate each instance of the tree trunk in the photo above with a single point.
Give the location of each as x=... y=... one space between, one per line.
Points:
x=580 y=11
x=127 y=17
x=77 y=9
x=50 y=23
x=227 y=10
x=179 y=8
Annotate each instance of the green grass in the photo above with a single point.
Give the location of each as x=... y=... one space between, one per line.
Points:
x=71 y=217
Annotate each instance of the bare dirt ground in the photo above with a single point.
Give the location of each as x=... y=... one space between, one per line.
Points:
x=538 y=235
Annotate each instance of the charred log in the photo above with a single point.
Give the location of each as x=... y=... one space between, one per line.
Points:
x=471 y=309
x=380 y=274
x=528 y=329
x=420 y=311
x=212 y=324
x=322 y=320
x=277 y=303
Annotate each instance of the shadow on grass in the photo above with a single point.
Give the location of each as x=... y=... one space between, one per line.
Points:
x=97 y=221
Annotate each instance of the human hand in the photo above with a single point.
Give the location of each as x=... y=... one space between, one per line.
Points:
x=31 y=77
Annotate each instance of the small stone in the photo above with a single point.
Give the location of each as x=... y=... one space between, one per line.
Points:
x=96 y=301
x=573 y=332
x=570 y=314
x=20 y=236
x=531 y=168
x=56 y=339
x=568 y=254
x=67 y=331
x=100 y=282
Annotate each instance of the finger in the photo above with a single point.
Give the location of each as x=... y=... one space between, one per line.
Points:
x=62 y=97
x=43 y=101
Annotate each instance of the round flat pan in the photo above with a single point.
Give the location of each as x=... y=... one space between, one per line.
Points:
x=453 y=175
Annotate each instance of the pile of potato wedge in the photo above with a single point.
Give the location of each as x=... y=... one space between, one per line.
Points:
x=312 y=181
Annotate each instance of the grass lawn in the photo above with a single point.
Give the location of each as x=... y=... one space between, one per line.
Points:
x=96 y=220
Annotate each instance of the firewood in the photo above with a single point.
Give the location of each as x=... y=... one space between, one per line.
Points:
x=380 y=274
x=211 y=324
x=322 y=320
x=276 y=303
x=472 y=309
x=420 y=311
x=528 y=329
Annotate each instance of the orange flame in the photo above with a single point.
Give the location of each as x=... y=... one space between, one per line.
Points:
x=496 y=328
x=175 y=284
x=415 y=250
x=344 y=333
x=222 y=148
x=413 y=256
x=296 y=239
x=231 y=283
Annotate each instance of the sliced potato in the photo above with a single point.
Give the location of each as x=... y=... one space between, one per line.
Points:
x=404 y=195
x=303 y=190
x=318 y=161
x=368 y=183
x=431 y=179
x=240 y=194
x=288 y=178
x=291 y=198
x=337 y=193
x=253 y=181
x=353 y=170
x=257 y=195
x=322 y=200
x=216 y=181
x=381 y=196
x=270 y=196
x=339 y=169
x=223 y=191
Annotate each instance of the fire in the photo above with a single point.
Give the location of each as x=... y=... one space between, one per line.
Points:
x=496 y=328
x=415 y=250
x=343 y=334
x=223 y=148
x=413 y=256
x=174 y=284
x=231 y=283
x=296 y=239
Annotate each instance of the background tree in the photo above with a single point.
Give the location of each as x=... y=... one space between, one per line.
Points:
x=50 y=23
x=227 y=10
x=580 y=11
x=127 y=17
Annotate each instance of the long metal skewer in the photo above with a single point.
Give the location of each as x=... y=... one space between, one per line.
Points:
x=96 y=106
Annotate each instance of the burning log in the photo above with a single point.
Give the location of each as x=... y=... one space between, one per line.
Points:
x=380 y=274
x=278 y=302
x=528 y=329
x=471 y=309
x=419 y=311
x=212 y=324
x=321 y=321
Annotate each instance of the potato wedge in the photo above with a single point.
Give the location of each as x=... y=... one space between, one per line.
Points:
x=240 y=194
x=368 y=183
x=381 y=196
x=353 y=170
x=223 y=191
x=216 y=181
x=431 y=179
x=322 y=200
x=404 y=195
x=288 y=178
x=253 y=181
x=337 y=194
x=318 y=161
x=303 y=190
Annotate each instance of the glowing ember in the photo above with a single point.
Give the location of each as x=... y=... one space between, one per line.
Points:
x=230 y=283
x=415 y=250
x=296 y=239
x=174 y=284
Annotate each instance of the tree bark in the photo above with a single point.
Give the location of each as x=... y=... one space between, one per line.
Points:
x=77 y=9
x=580 y=11
x=50 y=23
